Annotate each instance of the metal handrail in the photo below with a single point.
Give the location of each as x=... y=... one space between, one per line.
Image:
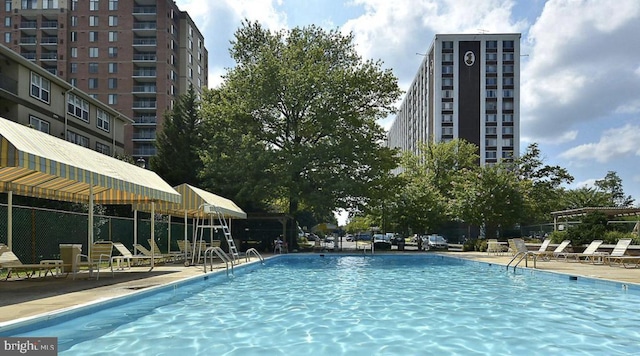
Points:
x=523 y=255
x=220 y=253
x=254 y=252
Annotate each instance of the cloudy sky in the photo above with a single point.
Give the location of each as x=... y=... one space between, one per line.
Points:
x=580 y=94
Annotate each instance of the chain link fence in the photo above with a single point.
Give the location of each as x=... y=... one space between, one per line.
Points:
x=38 y=232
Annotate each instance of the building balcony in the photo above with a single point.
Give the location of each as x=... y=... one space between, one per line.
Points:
x=144 y=10
x=8 y=84
x=145 y=120
x=49 y=24
x=32 y=25
x=49 y=56
x=145 y=57
x=145 y=89
x=144 y=26
x=144 y=42
x=29 y=55
x=143 y=104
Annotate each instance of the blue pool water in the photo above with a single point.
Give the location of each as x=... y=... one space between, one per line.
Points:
x=373 y=305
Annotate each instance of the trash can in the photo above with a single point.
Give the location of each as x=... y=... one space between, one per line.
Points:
x=68 y=253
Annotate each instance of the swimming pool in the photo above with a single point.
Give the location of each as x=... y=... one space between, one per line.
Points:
x=371 y=305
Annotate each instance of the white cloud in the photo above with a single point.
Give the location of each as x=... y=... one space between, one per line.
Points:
x=614 y=143
x=581 y=65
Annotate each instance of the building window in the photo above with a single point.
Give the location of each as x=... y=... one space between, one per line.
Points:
x=93 y=21
x=39 y=124
x=113 y=36
x=507 y=154
x=93 y=5
x=40 y=87
x=29 y=4
x=491 y=106
x=507 y=142
x=103 y=120
x=492 y=44
x=447 y=117
x=77 y=139
x=113 y=52
x=447 y=106
x=7 y=37
x=491 y=130
x=507 y=81
x=492 y=69
x=102 y=148
x=447 y=44
x=113 y=5
x=491 y=142
x=78 y=107
x=447 y=93
x=507 y=105
x=507 y=117
x=507 y=130
x=508 y=56
x=74 y=21
x=93 y=83
x=492 y=57
x=113 y=21
x=73 y=81
x=93 y=36
x=112 y=99
x=507 y=44
x=7 y=5
x=507 y=93
x=447 y=82
x=93 y=68
x=113 y=83
x=490 y=155
x=447 y=57
x=491 y=93
x=447 y=131
x=49 y=4
x=113 y=67
x=507 y=68
x=73 y=36
x=93 y=52
x=447 y=69
x=74 y=5
x=7 y=21
x=490 y=118
x=491 y=81
x=74 y=52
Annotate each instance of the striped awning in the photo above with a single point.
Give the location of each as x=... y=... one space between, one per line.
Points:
x=193 y=200
x=35 y=164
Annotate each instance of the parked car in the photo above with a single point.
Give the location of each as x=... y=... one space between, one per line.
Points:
x=349 y=237
x=435 y=242
x=381 y=242
x=362 y=237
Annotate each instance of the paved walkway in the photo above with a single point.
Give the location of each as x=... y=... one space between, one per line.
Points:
x=30 y=297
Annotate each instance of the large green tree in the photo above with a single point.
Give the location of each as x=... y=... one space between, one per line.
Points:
x=611 y=185
x=299 y=110
x=177 y=159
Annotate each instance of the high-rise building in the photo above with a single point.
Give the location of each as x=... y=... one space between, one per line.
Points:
x=137 y=56
x=467 y=87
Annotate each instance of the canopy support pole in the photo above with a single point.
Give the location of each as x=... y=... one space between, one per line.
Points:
x=10 y=220
x=153 y=228
x=90 y=227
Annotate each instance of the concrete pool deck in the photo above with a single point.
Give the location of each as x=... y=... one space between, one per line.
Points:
x=31 y=297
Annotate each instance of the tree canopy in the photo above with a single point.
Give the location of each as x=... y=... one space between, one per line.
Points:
x=295 y=119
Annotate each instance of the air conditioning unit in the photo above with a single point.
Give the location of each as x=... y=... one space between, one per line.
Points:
x=209 y=209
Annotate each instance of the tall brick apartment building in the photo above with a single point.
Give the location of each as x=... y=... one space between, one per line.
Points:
x=137 y=56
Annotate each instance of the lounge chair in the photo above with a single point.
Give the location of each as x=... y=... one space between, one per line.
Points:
x=185 y=248
x=619 y=253
x=589 y=254
x=100 y=254
x=11 y=262
x=147 y=253
x=171 y=256
x=494 y=247
x=126 y=256
x=546 y=255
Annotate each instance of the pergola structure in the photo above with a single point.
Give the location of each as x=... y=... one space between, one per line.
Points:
x=36 y=164
x=608 y=211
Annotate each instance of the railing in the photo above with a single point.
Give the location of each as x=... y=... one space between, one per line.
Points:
x=144 y=73
x=524 y=255
x=253 y=251
x=144 y=10
x=145 y=41
x=221 y=254
x=144 y=26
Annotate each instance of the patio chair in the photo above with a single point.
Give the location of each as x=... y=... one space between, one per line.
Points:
x=100 y=254
x=171 y=256
x=546 y=255
x=494 y=247
x=589 y=254
x=11 y=262
x=185 y=248
x=143 y=251
x=619 y=251
x=126 y=256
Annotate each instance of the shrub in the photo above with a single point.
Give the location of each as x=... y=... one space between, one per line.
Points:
x=612 y=237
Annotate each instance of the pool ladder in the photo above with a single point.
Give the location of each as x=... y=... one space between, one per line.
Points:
x=221 y=254
x=253 y=251
x=524 y=255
